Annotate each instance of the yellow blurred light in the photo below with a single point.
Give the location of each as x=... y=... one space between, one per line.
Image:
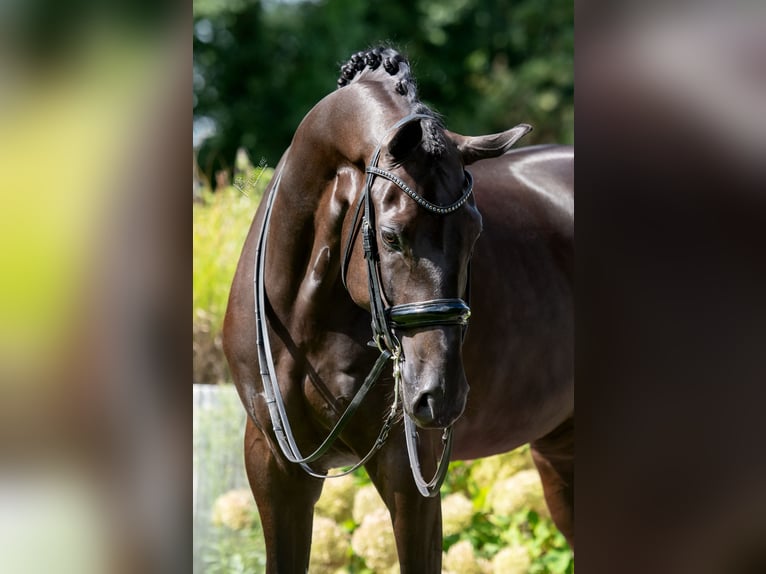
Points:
x=61 y=141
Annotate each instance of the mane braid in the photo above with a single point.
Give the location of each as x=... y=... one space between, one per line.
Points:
x=387 y=64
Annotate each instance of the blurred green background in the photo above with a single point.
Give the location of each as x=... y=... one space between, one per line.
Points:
x=485 y=65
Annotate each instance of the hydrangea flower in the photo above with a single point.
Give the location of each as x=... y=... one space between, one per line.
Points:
x=366 y=501
x=522 y=490
x=511 y=560
x=461 y=559
x=330 y=546
x=337 y=498
x=457 y=514
x=374 y=541
x=234 y=509
x=487 y=471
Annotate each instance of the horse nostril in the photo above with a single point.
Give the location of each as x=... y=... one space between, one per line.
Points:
x=425 y=407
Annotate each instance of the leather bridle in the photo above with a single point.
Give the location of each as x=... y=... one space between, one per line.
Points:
x=387 y=320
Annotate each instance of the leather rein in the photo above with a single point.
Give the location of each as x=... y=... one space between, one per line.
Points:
x=386 y=321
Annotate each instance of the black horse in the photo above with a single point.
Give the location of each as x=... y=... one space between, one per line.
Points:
x=372 y=228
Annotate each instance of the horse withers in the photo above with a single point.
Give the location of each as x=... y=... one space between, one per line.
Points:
x=410 y=307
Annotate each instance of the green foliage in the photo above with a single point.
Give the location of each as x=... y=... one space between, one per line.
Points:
x=485 y=65
x=220 y=227
x=548 y=550
x=236 y=552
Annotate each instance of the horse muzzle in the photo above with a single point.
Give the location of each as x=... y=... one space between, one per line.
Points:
x=434 y=392
x=432 y=370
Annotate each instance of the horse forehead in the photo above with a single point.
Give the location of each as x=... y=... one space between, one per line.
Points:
x=438 y=173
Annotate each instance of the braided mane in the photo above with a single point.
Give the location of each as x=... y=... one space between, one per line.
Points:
x=385 y=64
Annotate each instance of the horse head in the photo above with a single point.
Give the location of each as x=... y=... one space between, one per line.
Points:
x=423 y=225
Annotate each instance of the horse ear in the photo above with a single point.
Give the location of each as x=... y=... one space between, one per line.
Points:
x=405 y=140
x=474 y=148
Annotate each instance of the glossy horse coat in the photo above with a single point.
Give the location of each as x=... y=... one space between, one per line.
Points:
x=508 y=382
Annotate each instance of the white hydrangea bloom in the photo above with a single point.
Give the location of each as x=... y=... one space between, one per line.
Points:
x=487 y=471
x=461 y=559
x=234 y=509
x=522 y=490
x=337 y=498
x=329 y=546
x=374 y=541
x=366 y=501
x=457 y=513
x=511 y=560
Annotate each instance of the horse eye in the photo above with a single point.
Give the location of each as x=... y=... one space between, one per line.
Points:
x=390 y=238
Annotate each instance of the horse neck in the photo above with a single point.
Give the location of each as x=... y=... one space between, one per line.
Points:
x=321 y=175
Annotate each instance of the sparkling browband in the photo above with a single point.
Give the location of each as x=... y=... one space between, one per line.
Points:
x=442 y=210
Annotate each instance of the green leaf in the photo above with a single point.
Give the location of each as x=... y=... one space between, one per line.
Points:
x=542 y=530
